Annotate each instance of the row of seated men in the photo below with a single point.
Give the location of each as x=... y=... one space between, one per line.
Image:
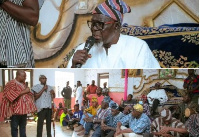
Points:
x=106 y=120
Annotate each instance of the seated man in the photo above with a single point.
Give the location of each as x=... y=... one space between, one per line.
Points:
x=192 y=125
x=68 y=119
x=109 y=124
x=139 y=123
x=108 y=99
x=167 y=126
x=112 y=49
x=59 y=111
x=77 y=115
x=91 y=111
x=127 y=111
x=187 y=103
x=84 y=106
x=94 y=122
x=130 y=101
x=63 y=115
x=156 y=96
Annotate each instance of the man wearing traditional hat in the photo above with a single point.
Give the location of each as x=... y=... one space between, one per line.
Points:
x=166 y=125
x=109 y=124
x=112 y=49
x=139 y=123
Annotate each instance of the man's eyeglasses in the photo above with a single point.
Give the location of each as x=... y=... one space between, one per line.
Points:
x=98 y=25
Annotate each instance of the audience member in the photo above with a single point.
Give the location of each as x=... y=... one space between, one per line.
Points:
x=156 y=96
x=79 y=93
x=145 y=104
x=187 y=103
x=77 y=114
x=94 y=122
x=67 y=121
x=139 y=123
x=91 y=111
x=59 y=111
x=98 y=94
x=191 y=83
x=192 y=125
x=105 y=90
x=167 y=126
x=109 y=124
x=127 y=110
x=130 y=101
x=84 y=105
x=63 y=115
x=66 y=93
x=92 y=88
x=108 y=99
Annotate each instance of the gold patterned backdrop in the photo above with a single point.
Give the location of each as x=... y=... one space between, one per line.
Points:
x=71 y=29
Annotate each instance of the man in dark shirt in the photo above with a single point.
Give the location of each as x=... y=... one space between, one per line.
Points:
x=66 y=93
x=130 y=101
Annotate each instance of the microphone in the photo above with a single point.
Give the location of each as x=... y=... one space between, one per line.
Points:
x=88 y=45
x=47 y=87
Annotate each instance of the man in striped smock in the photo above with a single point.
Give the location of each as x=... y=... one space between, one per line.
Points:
x=109 y=124
x=139 y=123
x=44 y=95
x=166 y=125
x=15 y=44
x=17 y=102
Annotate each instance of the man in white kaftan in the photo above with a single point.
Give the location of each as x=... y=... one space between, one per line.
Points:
x=129 y=52
x=159 y=94
x=79 y=94
x=156 y=96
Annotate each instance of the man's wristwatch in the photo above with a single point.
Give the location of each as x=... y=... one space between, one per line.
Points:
x=2 y=1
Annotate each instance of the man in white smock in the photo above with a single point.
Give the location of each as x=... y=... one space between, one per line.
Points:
x=112 y=49
x=156 y=97
x=79 y=94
